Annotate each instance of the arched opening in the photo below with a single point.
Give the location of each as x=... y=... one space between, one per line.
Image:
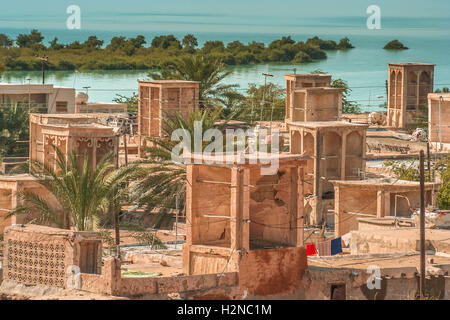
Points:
x=331 y=161
x=392 y=90
x=308 y=212
x=308 y=149
x=424 y=87
x=399 y=90
x=296 y=142
x=353 y=156
x=412 y=91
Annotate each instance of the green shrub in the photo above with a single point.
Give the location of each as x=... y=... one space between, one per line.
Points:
x=395 y=45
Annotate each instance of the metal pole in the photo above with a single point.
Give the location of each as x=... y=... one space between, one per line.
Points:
x=263 y=98
x=176 y=221
x=428 y=160
x=29 y=95
x=440 y=131
x=116 y=223
x=422 y=225
x=264 y=93
x=395 y=211
x=43 y=72
x=125 y=148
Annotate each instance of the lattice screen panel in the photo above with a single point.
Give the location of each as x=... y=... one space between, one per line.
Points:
x=36 y=263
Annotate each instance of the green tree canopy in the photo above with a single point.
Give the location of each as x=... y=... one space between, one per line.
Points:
x=27 y=40
x=208 y=71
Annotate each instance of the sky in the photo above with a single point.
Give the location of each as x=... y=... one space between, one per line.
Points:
x=416 y=8
x=268 y=11
x=127 y=17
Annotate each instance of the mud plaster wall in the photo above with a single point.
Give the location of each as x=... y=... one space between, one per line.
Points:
x=215 y=200
x=43 y=257
x=132 y=287
x=318 y=282
x=9 y=199
x=272 y=272
x=444 y=119
x=269 y=206
x=373 y=243
x=209 y=260
x=5 y=205
x=111 y=282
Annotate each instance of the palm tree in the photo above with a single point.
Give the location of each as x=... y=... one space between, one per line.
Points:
x=210 y=72
x=83 y=195
x=13 y=128
x=166 y=180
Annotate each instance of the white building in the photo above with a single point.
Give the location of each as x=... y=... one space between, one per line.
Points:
x=46 y=98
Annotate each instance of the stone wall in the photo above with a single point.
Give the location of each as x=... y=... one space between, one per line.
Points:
x=272 y=272
x=395 y=284
x=196 y=286
x=37 y=255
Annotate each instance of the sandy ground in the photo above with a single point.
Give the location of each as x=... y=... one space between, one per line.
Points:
x=14 y=291
x=164 y=271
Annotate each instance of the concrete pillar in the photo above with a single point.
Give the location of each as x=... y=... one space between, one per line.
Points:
x=191 y=177
x=318 y=178
x=343 y=155
x=162 y=97
x=246 y=211
x=337 y=211
x=291 y=105
x=418 y=88
x=300 y=216
x=112 y=276
x=236 y=208
x=15 y=219
x=380 y=204
x=302 y=139
x=387 y=203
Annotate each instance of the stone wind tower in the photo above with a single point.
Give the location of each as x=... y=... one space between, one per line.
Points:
x=337 y=148
x=408 y=87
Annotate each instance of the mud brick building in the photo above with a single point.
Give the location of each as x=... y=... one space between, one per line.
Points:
x=235 y=213
x=337 y=150
x=408 y=87
x=76 y=132
x=38 y=255
x=161 y=98
x=376 y=198
x=439 y=120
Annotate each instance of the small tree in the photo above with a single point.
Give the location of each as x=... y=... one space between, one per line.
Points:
x=132 y=102
x=83 y=195
x=443 y=196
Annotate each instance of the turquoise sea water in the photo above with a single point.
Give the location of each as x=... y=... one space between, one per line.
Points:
x=365 y=67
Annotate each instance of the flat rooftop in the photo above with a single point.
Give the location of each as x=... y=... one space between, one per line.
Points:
x=382 y=182
x=391 y=261
x=17 y=177
x=78 y=125
x=38 y=229
x=406 y=64
x=327 y=124
x=436 y=96
x=32 y=85
x=169 y=81
x=308 y=75
x=257 y=158
x=319 y=89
